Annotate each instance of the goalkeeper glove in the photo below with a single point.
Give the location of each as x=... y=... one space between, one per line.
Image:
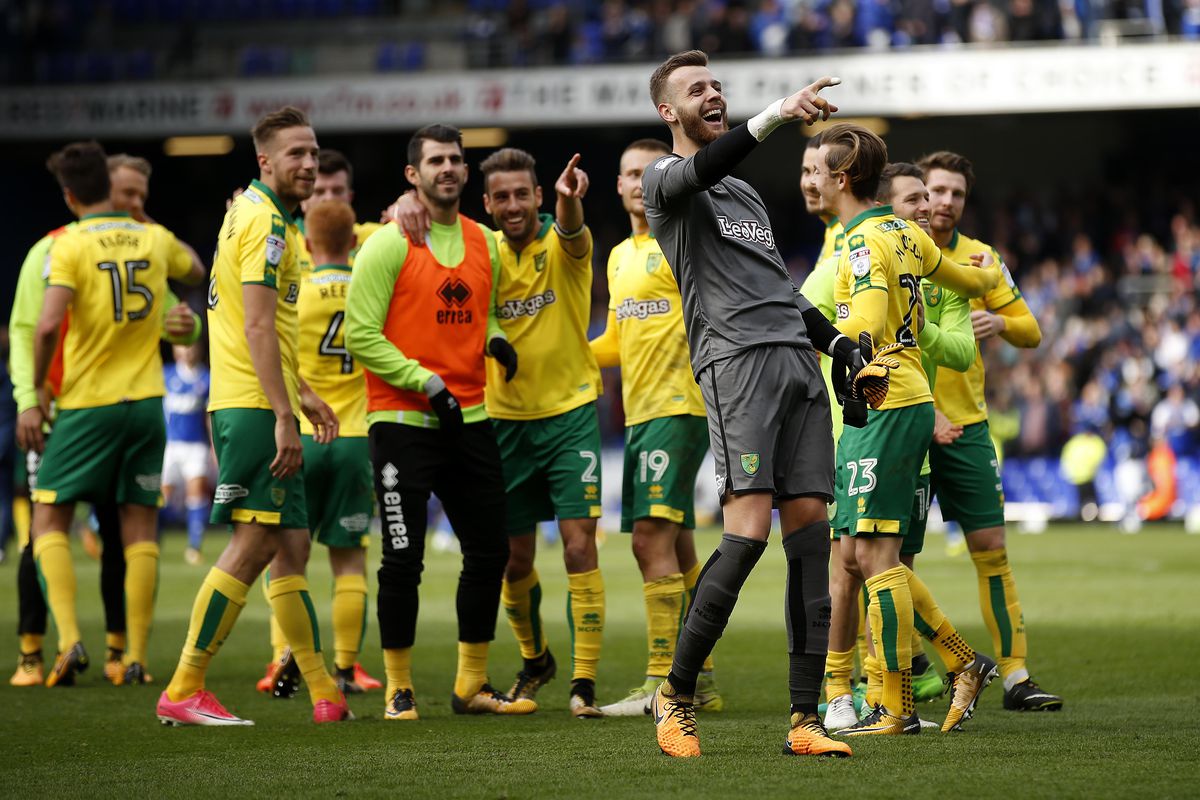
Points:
x=505 y=355
x=445 y=405
x=871 y=382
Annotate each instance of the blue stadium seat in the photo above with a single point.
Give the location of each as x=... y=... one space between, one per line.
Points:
x=62 y=67
x=400 y=57
x=139 y=65
x=330 y=8
x=365 y=8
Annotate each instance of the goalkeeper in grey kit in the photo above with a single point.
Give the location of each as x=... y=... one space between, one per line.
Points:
x=752 y=337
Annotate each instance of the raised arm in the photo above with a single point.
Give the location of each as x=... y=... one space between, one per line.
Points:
x=673 y=177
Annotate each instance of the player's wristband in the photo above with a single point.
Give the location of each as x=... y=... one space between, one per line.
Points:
x=565 y=234
x=763 y=123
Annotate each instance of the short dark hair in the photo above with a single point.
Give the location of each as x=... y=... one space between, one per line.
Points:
x=135 y=163
x=330 y=226
x=280 y=119
x=331 y=162
x=82 y=169
x=897 y=169
x=951 y=162
x=446 y=134
x=651 y=145
x=857 y=152
x=508 y=159
x=658 y=80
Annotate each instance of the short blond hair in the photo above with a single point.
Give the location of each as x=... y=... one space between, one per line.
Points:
x=280 y=119
x=135 y=163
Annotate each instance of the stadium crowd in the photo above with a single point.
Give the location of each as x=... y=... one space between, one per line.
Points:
x=60 y=41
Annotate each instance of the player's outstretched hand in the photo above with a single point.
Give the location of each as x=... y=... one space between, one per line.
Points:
x=29 y=429
x=411 y=215
x=573 y=182
x=324 y=421
x=505 y=354
x=982 y=260
x=446 y=406
x=808 y=105
x=872 y=381
x=289 y=453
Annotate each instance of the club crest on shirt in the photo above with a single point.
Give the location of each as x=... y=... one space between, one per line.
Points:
x=539 y=262
x=933 y=294
x=652 y=262
x=750 y=462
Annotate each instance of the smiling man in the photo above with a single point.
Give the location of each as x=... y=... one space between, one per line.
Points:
x=752 y=338
x=420 y=317
x=255 y=400
x=545 y=419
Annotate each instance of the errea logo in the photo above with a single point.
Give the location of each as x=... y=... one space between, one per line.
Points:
x=747 y=230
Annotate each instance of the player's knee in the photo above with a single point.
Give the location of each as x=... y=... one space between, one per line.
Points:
x=397 y=568
x=986 y=539
x=579 y=555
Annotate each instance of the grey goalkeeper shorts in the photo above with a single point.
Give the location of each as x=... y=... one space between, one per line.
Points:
x=769 y=423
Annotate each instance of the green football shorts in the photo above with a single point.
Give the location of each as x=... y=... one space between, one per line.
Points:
x=339 y=490
x=914 y=540
x=244 y=441
x=966 y=479
x=878 y=468
x=105 y=453
x=662 y=457
x=551 y=467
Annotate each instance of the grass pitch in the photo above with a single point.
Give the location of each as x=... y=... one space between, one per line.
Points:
x=1113 y=626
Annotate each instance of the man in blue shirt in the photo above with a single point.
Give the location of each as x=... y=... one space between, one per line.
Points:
x=187 y=458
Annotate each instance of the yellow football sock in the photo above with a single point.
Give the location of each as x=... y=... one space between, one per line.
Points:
x=931 y=623
x=397 y=665
x=115 y=641
x=860 y=641
x=1001 y=610
x=141 y=579
x=472 y=669
x=522 y=600
x=278 y=640
x=689 y=586
x=874 y=680
x=891 y=632
x=664 y=610
x=52 y=552
x=349 y=618
x=839 y=667
x=585 y=616
x=918 y=644
x=218 y=603
x=31 y=642
x=298 y=619
x=21 y=512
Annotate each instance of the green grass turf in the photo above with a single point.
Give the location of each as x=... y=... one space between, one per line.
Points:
x=1112 y=622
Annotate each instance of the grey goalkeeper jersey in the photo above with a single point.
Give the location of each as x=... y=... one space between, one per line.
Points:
x=736 y=291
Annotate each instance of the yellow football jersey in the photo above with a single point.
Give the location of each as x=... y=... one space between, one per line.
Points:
x=656 y=372
x=886 y=253
x=960 y=395
x=543 y=305
x=259 y=243
x=118 y=269
x=835 y=238
x=325 y=365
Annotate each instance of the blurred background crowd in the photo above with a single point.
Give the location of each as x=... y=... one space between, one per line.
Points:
x=66 y=41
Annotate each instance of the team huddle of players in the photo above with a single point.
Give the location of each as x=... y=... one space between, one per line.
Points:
x=355 y=364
